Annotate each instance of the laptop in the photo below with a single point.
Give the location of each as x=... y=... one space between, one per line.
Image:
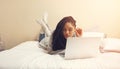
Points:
x=82 y=47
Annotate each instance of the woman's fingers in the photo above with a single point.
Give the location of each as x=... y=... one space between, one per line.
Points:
x=77 y=34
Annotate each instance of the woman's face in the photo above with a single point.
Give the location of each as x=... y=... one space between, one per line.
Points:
x=68 y=30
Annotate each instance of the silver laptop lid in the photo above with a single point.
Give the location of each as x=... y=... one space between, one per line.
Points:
x=82 y=47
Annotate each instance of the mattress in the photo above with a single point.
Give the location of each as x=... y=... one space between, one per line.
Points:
x=28 y=55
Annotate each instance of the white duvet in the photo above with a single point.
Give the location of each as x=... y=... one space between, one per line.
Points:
x=28 y=55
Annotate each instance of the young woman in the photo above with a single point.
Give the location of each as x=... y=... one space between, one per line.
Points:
x=64 y=29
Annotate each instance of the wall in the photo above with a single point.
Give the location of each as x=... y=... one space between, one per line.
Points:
x=17 y=17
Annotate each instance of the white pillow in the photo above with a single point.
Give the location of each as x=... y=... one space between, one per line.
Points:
x=111 y=45
x=93 y=34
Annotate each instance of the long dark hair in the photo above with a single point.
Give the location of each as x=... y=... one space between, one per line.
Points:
x=58 y=39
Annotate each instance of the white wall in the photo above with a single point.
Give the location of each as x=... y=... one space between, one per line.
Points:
x=17 y=17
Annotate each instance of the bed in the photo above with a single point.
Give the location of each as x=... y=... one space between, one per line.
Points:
x=28 y=55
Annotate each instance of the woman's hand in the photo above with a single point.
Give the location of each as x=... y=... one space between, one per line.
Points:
x=101 y=49
x=78 y=32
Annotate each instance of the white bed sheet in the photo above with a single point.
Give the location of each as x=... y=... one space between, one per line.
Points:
x=28 y=55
